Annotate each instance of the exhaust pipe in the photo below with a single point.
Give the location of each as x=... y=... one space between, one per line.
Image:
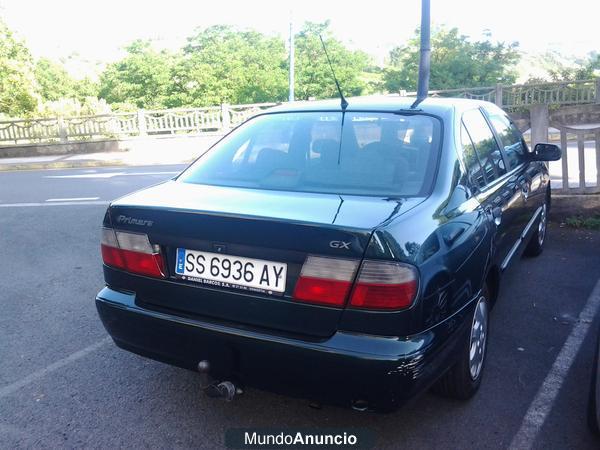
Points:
x=226 y=390
x=360 y=405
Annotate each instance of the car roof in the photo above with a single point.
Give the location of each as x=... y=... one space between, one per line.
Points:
x=393 y=103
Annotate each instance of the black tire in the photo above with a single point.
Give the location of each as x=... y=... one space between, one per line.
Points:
x=536 y=244
x=593 y=412
x=459 y=383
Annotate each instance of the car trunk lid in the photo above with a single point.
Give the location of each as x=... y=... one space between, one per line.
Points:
x=274 y=226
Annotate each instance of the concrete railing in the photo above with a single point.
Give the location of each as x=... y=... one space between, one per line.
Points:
x=524 y=95
x=578 y=171
x=570 y=107
x=219 y=118
x=128 y=124
x=573 y=108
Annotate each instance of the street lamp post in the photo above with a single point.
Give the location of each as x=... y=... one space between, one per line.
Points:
x=291 y=74
x=425 y=54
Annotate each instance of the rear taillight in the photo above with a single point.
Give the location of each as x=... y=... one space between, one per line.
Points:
x=325 y=281
x=385 y=285
x=131 y=252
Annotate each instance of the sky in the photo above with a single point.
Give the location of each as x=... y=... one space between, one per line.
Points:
x=98 y=30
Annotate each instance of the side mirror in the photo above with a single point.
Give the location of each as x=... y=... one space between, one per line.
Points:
x=546 y=152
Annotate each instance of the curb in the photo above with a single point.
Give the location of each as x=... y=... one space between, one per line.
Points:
x=77 y=165
x=58 y=165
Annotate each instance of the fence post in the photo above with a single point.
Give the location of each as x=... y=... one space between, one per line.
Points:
x=141 y=120
x=62 y=130
x=598 y=91
x=498 y=99
x=539 y=123
x=225 y=118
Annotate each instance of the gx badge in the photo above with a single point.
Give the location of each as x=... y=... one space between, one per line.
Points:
x=340 y=245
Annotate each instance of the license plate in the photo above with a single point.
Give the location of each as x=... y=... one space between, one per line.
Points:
x=227 y=271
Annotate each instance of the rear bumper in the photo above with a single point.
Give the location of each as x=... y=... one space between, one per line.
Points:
x=383 y=371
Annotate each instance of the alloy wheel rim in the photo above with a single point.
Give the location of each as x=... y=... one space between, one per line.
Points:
x=542 y=225
x=478 y=338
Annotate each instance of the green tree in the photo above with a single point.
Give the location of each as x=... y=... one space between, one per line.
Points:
x=142 y=77
x=561 y=68
x=224 y=65
x=455 y=62
x=313 y=75
x=53 y=80
x=18 y=96
x=85 y=88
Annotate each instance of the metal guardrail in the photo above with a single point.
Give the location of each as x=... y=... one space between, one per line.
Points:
x=128 y=124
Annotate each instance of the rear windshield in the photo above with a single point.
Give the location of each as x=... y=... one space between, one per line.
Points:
x=373 y=153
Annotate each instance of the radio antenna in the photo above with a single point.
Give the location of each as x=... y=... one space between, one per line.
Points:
x=344 y=102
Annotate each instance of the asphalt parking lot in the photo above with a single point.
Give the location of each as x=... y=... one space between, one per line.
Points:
x=64 y=384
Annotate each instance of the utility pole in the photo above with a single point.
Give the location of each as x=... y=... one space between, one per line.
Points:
x=291 y=87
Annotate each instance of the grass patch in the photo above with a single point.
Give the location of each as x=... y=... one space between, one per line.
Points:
x=588 y=223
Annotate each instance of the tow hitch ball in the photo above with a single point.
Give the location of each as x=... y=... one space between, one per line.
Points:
x=226 y=390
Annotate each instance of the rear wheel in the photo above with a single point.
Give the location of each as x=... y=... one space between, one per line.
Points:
x=536 y=243
x=463 y=379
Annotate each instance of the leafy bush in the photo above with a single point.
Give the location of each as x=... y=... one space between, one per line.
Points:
x=71 y=107
x=589 y=223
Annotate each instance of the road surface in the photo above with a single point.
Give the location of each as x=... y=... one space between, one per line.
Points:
x=63 y=383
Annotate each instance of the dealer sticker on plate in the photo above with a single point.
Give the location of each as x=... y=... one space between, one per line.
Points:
x=221 y=270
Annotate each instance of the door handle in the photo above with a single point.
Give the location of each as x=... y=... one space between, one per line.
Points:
x=525 y=188
x=496 y=214
x=449 y=238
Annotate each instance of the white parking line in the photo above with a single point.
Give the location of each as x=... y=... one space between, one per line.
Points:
x=111 y=174
x=72 y=199
x=35 y=376
x=546 y=395
x=57 y=203
x=88 y=175
x=129 y=174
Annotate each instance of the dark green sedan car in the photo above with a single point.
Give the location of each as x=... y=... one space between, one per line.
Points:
x=343 y=253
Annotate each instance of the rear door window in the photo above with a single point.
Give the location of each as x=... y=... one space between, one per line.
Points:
x=485 y=144
x=471 y=160
x=514 y=147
